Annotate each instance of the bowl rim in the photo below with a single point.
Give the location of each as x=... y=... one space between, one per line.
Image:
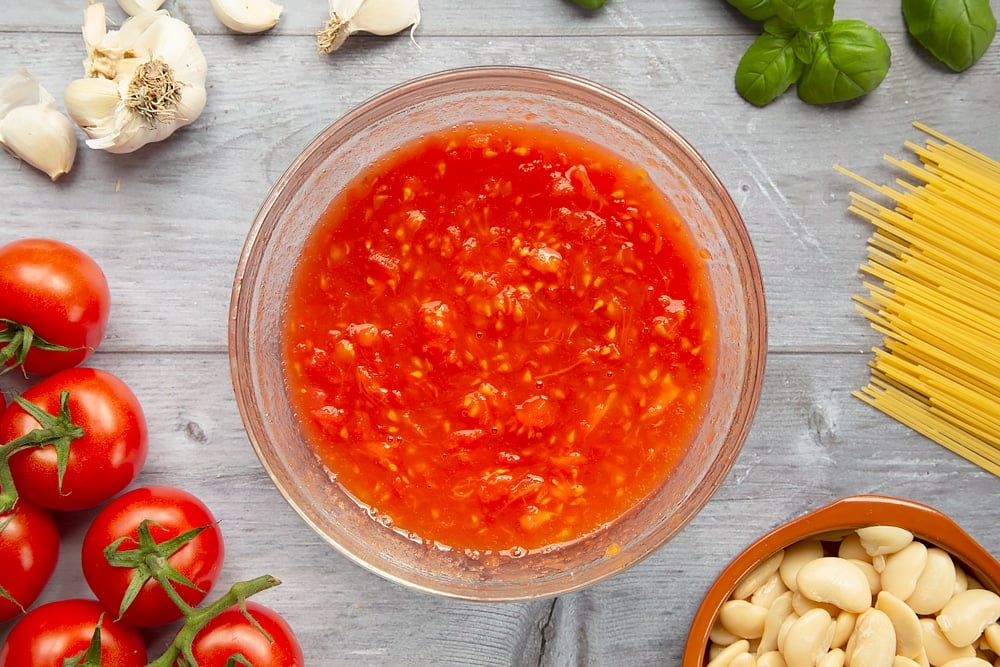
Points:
x=518 y=78
x=927 y=523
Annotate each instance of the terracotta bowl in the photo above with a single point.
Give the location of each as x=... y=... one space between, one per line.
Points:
x=927 y=524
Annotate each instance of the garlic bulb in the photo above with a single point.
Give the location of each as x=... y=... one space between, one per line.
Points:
x=133 y=7
x=32 y=129
x=379 y=17
x=143 y=81
x=247 y=16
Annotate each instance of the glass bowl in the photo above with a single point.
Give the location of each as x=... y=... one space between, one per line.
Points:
x=433 y=103
x=843 y=516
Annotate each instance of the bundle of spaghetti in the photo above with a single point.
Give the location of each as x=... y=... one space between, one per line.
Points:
x=933 y=282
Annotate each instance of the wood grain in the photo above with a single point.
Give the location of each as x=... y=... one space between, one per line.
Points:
x=168 y=223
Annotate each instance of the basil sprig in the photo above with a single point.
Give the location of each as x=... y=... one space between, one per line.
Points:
x=829 y=61
x=956 y=32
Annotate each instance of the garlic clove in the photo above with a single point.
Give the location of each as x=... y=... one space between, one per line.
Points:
x=41 y=136
x=247 y=16
x=135 y=7
x=91 y=102
x=378 y=17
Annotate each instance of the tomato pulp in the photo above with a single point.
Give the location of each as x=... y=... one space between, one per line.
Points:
x=500 y=338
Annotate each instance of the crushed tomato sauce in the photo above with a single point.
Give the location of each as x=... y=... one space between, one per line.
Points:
x=500 y=338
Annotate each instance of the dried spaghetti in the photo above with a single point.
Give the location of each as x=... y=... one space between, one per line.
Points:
x=934 y=295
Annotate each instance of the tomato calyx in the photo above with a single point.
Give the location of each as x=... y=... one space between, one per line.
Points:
x=17 y=340
x=56 y=430
x=92 y=656
x=181 y=650
x=148 y=560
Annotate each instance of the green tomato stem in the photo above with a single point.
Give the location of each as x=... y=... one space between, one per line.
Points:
x=57 y=430
x=196 y=618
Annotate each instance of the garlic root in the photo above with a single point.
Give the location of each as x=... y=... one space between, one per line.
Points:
x=143 y=81
x=247 y=16
x=32 y=129
x=378 y=17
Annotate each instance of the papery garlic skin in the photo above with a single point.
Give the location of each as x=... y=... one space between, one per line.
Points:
x=136 y=7
x=247 y=16
x=33 y=129
x=379 y=17
x=143 y=81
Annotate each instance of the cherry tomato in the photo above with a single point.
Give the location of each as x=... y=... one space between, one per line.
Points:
x=104 y=461
x=231 y=633
x=49 y=634
x=170 y=512
x=29 y=550
x=60 y=294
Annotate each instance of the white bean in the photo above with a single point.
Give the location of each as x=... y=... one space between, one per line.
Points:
x=777 y=613
x=808 y=639
x=992 y=636
x=874 y=577
x=939 y=649
x=900 y=661
x=903 y=568
x=836 y=581
x=758 y=576
x=771 y=659
x=909 y=637
x=966 y=615
x=873 y=643
x=843 y=628
x=769 y=591
x=834 y=658
x=936 y=584
x=729 y=653
x=967 y=662
x=851 y=548
x=796 y=556
x=882 y=540
x=719 y=635
x=742 y=618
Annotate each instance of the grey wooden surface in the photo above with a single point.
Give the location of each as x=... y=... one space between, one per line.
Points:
x=167 y=224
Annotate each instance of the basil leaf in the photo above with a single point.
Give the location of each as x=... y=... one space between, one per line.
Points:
x=756 y=10
x=807 y=15
x=767 y=69
x=956 y=32
x=850 y=59
x=780 y=28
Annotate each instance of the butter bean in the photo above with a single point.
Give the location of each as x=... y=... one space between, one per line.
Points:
x=874 y=577
x=992 y=636
x=851 y=549
x=883 y=540
x=900 y=661
x=836 y=581
x=843 y=628
x=771 y=659
x=742 y=618
x=719 y=635
x=939 y=650
x=966 y=615
x=786 y=626
x=801 y=604
x=936 y=583
x=961 y=581
x=757 y=576
x=744 y=660
x=729 y=653
x=808 y=639
x=769 y=591
x=909 y=637
x=834 y=658
x=777 y=613
x=903 y=568
x=873 y=643
x=967 y=662
x=796 y=556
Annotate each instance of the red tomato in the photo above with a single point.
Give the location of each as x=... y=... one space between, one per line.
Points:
x=29 y=550
x=60 y=294
x=48 y=634
x=231 y=633
x=174 y=512
x=104 y=461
